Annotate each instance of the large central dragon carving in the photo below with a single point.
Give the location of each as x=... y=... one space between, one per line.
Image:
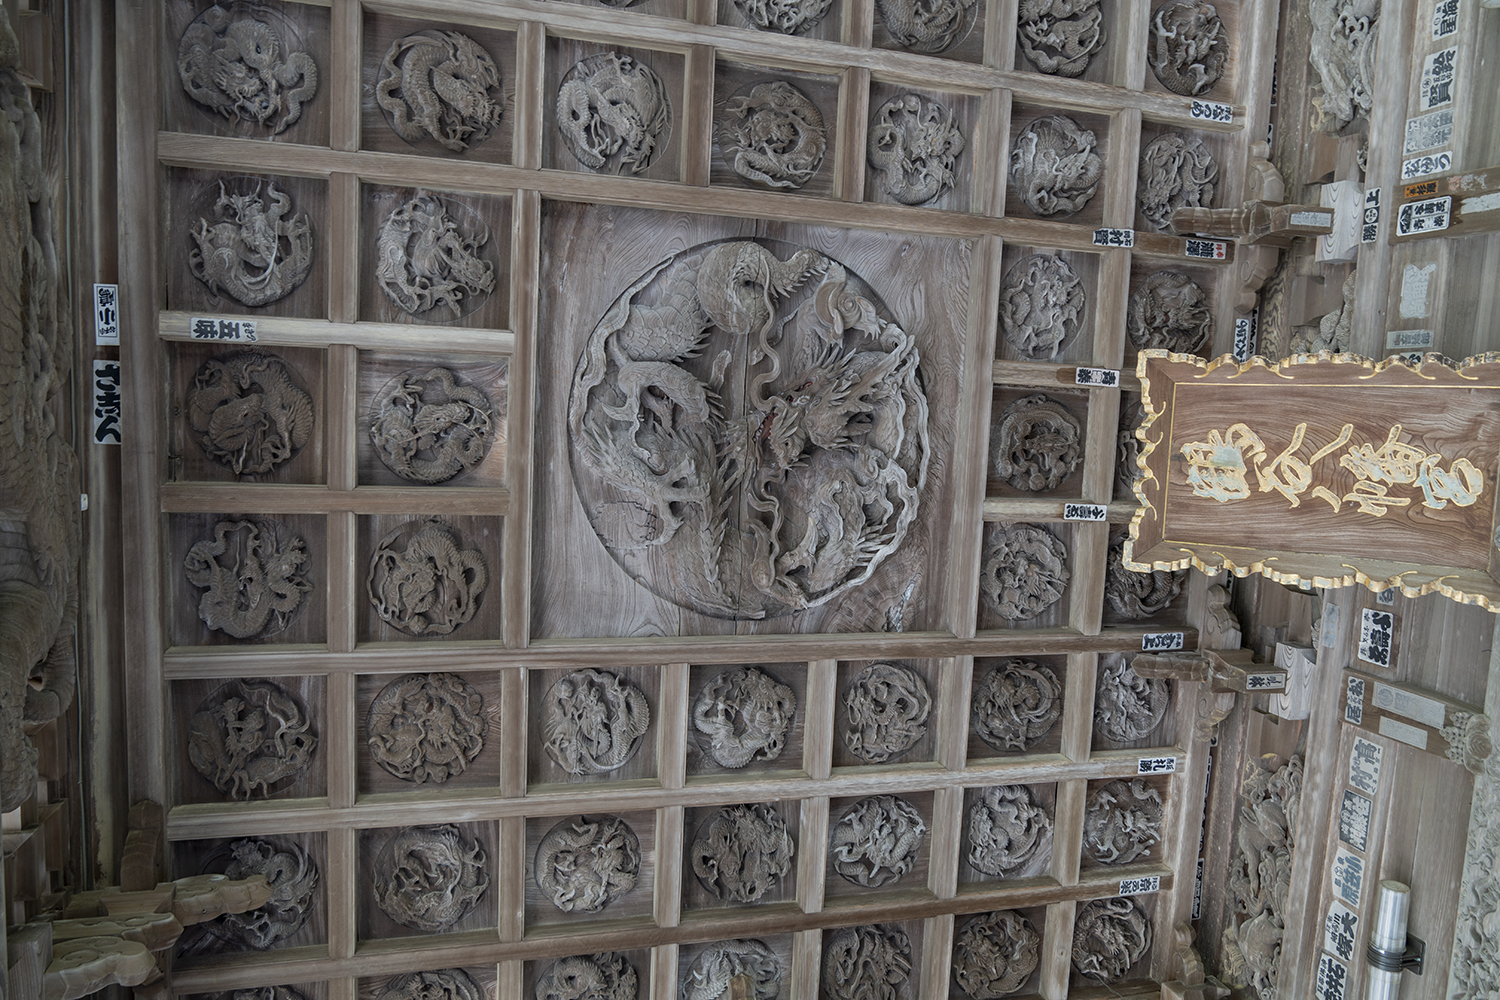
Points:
x=772 y=477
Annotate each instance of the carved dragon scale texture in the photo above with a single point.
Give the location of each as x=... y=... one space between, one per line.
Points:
x=595 y=721
x=613 y=114
x=1122 y=821
x=427 y=262
x=429 y=426
x=740 y=852
x=430 y=877
x=1055 y=167
x=1061 y=37
x=773 y=136
x=1041 y=305
x=603 y=976
x=244 y=61
x=994 y=954
x=441 y=85
x=876 y=841
x=244 y=248
x=1025 y=571
x=1038 y=444
x=1016 y=704
x=928 y=26
x=746 y=714
x=913 y=146
x=426 y=727
x=249 y=412
x=1010 y=833
x=423 y=580
x=585 y=863
x=1188 y=46
x=1109 y=937
x=252 y=577
x=250 y=736
x=869 y=962
x=748 y=960
x=1127 y=707
x=887 y=706
x=1177 y=171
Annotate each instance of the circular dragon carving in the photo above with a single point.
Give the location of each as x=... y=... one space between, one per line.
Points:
x=1009 y=832
x=913 y=146
x=613 y=114
x=929 y=26
x=423 y=581
x=995 y=954
x=250 y=735
x=430 y=877
x=427 y=727
x=583 y=864
x=770 y=492
x=252 y=577
x=747 y=714
x=1038 y=443
x=1016 y=704
x=1170 y=311
x=1138 y=595
x=1177 y=171
x=293 y=877
x=749 y=961
x=603 y=976
x=787 y=17
x=740 y=852
x=1109 y=937
x=595 y=721
x=876 y=841
x=441 y=984
x=1122 y=822
x=1054 y=166
x=887 y=707
x=1025 y=571
x=773 y=136
x=441 y=85
x=254 y=253
x=1061 y=37
x=429 y=258
x=246 y=62
x=429 y=427
x=1041 y=305
x=1127 y=706
x=1188 y=47
x=869 y=962
x=248 y=411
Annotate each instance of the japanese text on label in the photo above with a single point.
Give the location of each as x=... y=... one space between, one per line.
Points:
x=1437 y=79
x=1333 y=978
x=1107 y=378
x=1430 y=216
x=1205 y=249
x=1428 y=131
x=1376 y=631
x=1085 y=512
x=1114 y=237
x=1444 y=19
x=1354 y=819
x=1244 y=336
x=107 y=314
x=1348 y=876
x=1213 y=111
x=1364 y=766
x=107 y=402
x=1340 y=930
x=1156 y=765
x=1140 y=886
x=1354 y=700
x=1369 y=228
x=208 y=328
x=1157 y=642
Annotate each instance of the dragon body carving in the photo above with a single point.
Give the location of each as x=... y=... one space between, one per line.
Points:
x=1061 y=37
x=248 y=411
x=741 y=852
x=1342 y=55
x=252 y=577
x=1260 y=876
x=914 y=145
x=1016 y=704
x=1127 y=707
x=250 y=735
x=746 y=714
x=1128 y=448
x=786 y=17
x=929 y=26
x=254 y=253
x=1009 y=832
x=430 y=877
x=236 y=63
x=442 y=984
x=1109 y=937
x=1188 y=46
x=1177 y=171
x=423 y=581
x=869 y=962
x=429 y=427
x=1025 y=571
x=1138 y=595
x=877 y=840
x=1041 y=305
x=293 y=877
x=887 y=706
x=773 y=136
x=441 y=85
x=595 y=721
x=426 y=727
x=749 y=961
x=603 y=976
x=1170 y=311
x=425 y=261
x=1122 y=822
x=1038 y=443
x=613 y=114
x=995 y=954
x=583 y=864
x=1055 y=167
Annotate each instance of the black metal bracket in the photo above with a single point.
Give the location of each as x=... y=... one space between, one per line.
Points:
x=1409 y=960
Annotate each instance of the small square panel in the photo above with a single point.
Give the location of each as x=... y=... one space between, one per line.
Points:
x=427 y=731
x=295 y=865
x=249 y=739
x=591 y=725
x=1179 y=168
x=1057 y=169
x=1048 y=305
x=950 y=30
x=871 y=959
x=473 y=980
x=1131 y=712
x=774 y=129
x=434 y=879
x=583 y=79
x=886 y=712
x=587 y=868
x=1192 y=49
x=1037 y=442
x=1026 y=575
x=742 y=855
x=941 y=125
x=1007 y=833
x=978 y=938
x=623 y=973
x=1125 y=822
x=429 y=578
x=817 y=19
x=1080 y=46
x=767 y=959
x=746 y=719
x=1016 y=706
x=1111 y=940
x=878 y=844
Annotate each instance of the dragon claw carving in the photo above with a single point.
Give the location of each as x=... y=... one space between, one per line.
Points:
x=887 y=706
x=613 y=114
x=236 y=63
x=427 y=727
x=1127 y=707
x=995 y=954
x=1016 y=704
x=441 y=85
x=1054 y=166
x=250 y=735
x=877 y=840
x=773 y=136
x=584 y=864
x=929 y=26
x=595 y=721
x=1109 y=937
x=242 y=248
x=430 y=877
x=1122 y=822
x=1041 y=305
x=423 y=581
x=1061 y=37
x=1188 y=46
x=740 y=852
x=426 y=261
x=914 y=144
x=1177 y=171
x=249 y=412
x=252 y=577
x=869 y=962
x=429 y=427
x=1009 y=832
x=1025 y=571
x=747 y=714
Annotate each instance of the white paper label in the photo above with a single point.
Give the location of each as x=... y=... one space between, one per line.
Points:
x=1158 y=642
x=1270 y=681
x=1386 y=597
x=1405 y=340
x=1198 y=890
x=230 y=329
x=1103 y=378
x=1398 y=730
x=1114 y=237
x=1364 y=765
x=1416 y=283
x=1427 y=711
x=1427 y=163
x=1244 y=337
x=1354 y=819
x=107 y=315
x=107 y=402
x=1140 y=886
x=1428 y=216
x=1312 y=218
x=1348 y=876
x=1437 y=79
x=1085 y=512
x=1369 y=228
x=1444 y=19
x=1213 y=111
x=1205 y=249
x=1428 y=131
x=1340 y=931
x=1156 y=765
x=1377 y=630
x=1354 y=700
x=1333 y=979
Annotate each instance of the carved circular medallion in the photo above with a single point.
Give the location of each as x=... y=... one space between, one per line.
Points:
x=772 y=491
x=1109 y=937
x=746 y=714
x=752 y=962
x=1138 y=595
x=740 y=852
x=1041 y=305
x=595 y=721
x=913 y=145
x=1122 y=822
x=1127 y=706
x=1025 y=571
x=1177 y=171
x=247 y=63
x=772 y=135
x=604 y=976
x=1009 y=832
x=787 y=17
x=440 y=85
x=1038 y=444
x=995 y=954
x=428 y=427
x=928 y=25
x=1016 y=704
x=1061 y=36
x=268 y=993
x=441 y=984
x=614 y=114
x=1132 y=415
x=248 y=411
x=293 y=877
x=585 y=863
x=430 y=877
x=423 y=581
x=877 y=840
x=1170 y=311
x=427 y=727
x=250 y=735
x=869 y=961
x=1054 y=166
x=247 y=241
x=429 y=258
x=251 y=573
x=1188 y=47
x=887 y=706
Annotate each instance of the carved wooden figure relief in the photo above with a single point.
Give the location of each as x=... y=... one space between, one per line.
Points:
x=585 y=863
x=429 y=258
x=428 y=426
x=1138 y=595
x=604 y=976
x=1054 y=166
x=442 y=984
x=423 y=581
x=441 y=85
x=1110 y=936
x=245 y=62
x=1010 y=832
x=773 y=136
x=594 y=721
x=1016 y=704
x=293 y=876
x=430 y=877
x=1177 y=171
x=1170 y=311
x=876 y=842
x=252 y=577
x=869 y=961
x=248 y=411
x=1041 y=306
x=995 y=954
x=268 y=993
x=1037 y=444
x=1061 y=36
x=741 y=852
x=250 y=737
x=1342 y=56
x=787 y=17
x=1260 y=875
x=614 y=114
x=929 y=26
x=752 y=963
x=1122 y=821
x=249 y=243
x=1188 y=46
x=1025 y=571
x=746 y=714
x=427 y=727
x=1128 y=448
x=1127 y=707
x=913 y=146
x=887 y=708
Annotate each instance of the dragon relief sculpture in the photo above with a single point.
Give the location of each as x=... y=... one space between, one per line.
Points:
x=442 y=984
x=1010 y=833
x=1054 y=166
x=886 y=708
x=423 y=581
x=741 y=852
x=913 y=146
x=1138 y=595
x=428 y=426
x=595 y=721
x=1127 y=706
x=1128 y=448
x=1342 y=55
x=426 y=727
x=1038 y=444
x=253 y=253
x=995 y=954
x=876 y=841
x=1061 y=37
x=1122 y=822
x=769 y=493
x=786 y=17
x=1170 y=311
x=1025 y=571
x=869 y=962
x=236 y=63
x=1188 y=47
x=430 y=877
x=751 y=962
x=293 y=876
x=1109 y=937
x=268 y=993
x=426 y=261
x=252 y=577
x=746 y=714
x=250 y=735
x=1177 y=171
x=1015 y=704
x=441 y=85
x=1041 y=306
x=248 y=411
x=773 y=136
x=584 y=864
x=928 y=26
x=604 y=976
x=1260 y=875
x=613 y=114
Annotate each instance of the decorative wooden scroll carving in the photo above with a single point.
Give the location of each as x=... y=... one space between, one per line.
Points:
x=887 y=707
x=442 y=984
x=818 y=455
x=1009 y=832
x=293 y=877
x=773 y=136
x=426 y=727
x=1138 y=595
x=1016 y=704
x=747 y=964
x=430 y=877
x=442 y=85
x=995 y=954
x=81 y=966
x=1122 y=822
x=1467 y=736
x=929 y=26
x=585 y=863
x=604 y=976
x=254 y=253
x=250 y=735
x=429 y=426
x=788 y=17
x=1177 y=171
x=1188 y=47
x=198 y=899
x=423 y=581
x=1475 y=963
x=595 y=721
x=614 y=114
x=252 y=577
x=876 y=841
x=1342 y=56
x=740 y=852
x=1041 y=305
x=1127 y=706
x=1061 y=37
x=245 y=62
x=1054 y=167
x=914 y=144
x=1037 y=443
x=747 y=714
x=1110 y=936
x=426 y=260
x=1261 y=875
x=1170 y=311
x=1025 y=571
x=1128 y=449
x=872 y=960
x=249 y=411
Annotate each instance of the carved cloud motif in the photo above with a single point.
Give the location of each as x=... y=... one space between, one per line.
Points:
x=877 y=840
x=1061 y=36
x=248 y=411
x=613 y=114
x=583 y=864
x=442 y=984
x=1009 y=832
x=1041 y=305
x=1109 y=937
x=1016 y=704
x=746 y=713
x=1188 y=46
x=1342 y=56
x=430 y=877
x=1054 y=166
x=929 y=26
x=1025 y=571
x=427 y=727
x=423 y=581
x=788 y=17
x=740 y=852
x=245 y=62
x=595 y=721
x=887 y=707
x=914 y=145
x=429 y=427
x=603 y=976
x=254 y=253
x=773 y=136
x=250 y=735
x=1127 y=706
x=426 y=260
x=1177 y=171
x=995 y=954
x=1169 y=311
x=442 y=85
x=1038 y=443
x=1260 y=875
x=293 y=877
x=252 y=577
x=1122 y=822
x=869 y=962
x=750 y=961
x=1137 y=595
